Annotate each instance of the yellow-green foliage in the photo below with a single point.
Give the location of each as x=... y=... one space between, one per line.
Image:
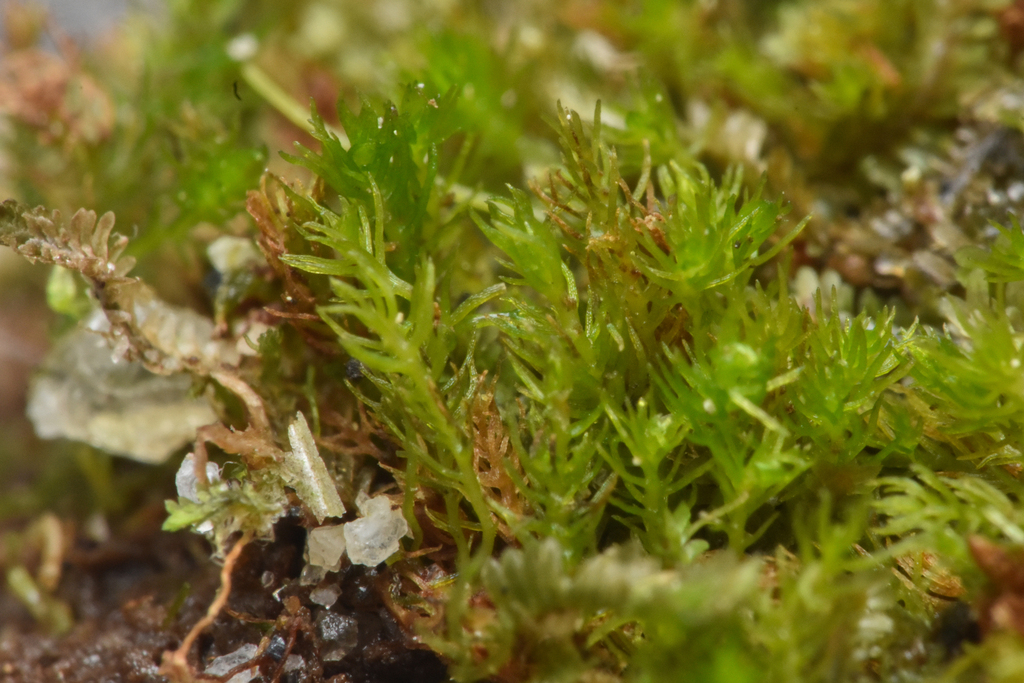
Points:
x=575 y=337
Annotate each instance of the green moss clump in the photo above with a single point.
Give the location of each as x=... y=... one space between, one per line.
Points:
x=587 y=356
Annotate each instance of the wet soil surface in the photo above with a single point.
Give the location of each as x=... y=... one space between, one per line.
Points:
x=136 y=597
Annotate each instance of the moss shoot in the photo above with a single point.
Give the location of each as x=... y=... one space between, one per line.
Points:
x=595 y=341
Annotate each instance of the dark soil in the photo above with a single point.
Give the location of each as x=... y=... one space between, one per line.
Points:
x=136 y=597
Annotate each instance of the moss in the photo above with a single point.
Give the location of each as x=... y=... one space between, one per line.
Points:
x=541 y=278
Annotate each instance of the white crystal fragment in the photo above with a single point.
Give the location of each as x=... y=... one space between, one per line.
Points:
x=305 y=472
x=325 y=596
x=185 y=479
x=242 y=47
x=1015 y=192
x=228 y=254
x=311 y=575
x=743 y=135
x=374 y=538
x=82 y=393
x=222 y=665
x=325 y=545
x=293 y=663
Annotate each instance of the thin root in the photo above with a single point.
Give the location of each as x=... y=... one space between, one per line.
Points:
x=175 y=664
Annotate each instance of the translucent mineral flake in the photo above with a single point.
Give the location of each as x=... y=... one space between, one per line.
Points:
x=185 y=479
x=374 y=538
x=325 y=596
x=82 y=393
x=305 y=472
x=311 y=575
x=293 y=663
x=325 y=545
x=224 y=664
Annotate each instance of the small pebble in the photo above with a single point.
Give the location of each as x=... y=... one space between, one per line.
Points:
x=340 y=633
x=222 y=665
x=276 y=647
x=325 y=595
x=374 y=537
x=353 y=370
x=185 y=480
x=311 y=575
x=325 y=545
